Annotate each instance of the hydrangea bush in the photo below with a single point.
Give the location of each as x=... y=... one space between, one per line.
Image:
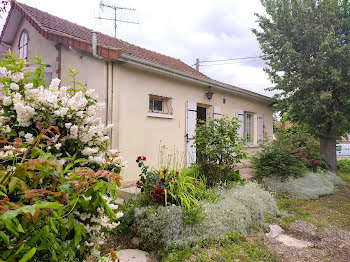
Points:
x=25 y=100
x=58 y=178
x=237 y=210
x=310 y=186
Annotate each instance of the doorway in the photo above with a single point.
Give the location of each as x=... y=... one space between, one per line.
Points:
x=201 y=115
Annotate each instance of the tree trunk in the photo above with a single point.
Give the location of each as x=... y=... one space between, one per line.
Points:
x=328 y=149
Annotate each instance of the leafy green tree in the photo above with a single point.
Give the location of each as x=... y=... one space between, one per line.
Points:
x=306 y=46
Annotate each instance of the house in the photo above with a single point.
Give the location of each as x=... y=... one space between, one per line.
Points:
x=150 y=98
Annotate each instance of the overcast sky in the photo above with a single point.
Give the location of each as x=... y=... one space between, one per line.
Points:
x=184 y=29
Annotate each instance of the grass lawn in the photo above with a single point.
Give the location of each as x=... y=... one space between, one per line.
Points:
x=328 y=211
x=237 y=248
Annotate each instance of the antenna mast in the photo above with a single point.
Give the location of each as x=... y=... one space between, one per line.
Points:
x=115 y=20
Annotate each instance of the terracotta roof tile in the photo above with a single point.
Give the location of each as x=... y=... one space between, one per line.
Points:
x=56 y=25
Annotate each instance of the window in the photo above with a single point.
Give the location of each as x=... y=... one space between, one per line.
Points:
x=155 y=104
x=249 y=127
x=23 y=45
x=160 y=106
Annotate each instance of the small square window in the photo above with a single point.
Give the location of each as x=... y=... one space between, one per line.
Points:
x=160 y=105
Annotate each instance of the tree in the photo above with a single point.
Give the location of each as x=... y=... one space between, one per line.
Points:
x=306 y=46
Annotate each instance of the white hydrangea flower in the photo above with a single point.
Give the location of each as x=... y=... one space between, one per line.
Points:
x=88 y=151
x=29 y=138
x=7 y=101
x=17 y=77
x=14 y=86
x=28 y=86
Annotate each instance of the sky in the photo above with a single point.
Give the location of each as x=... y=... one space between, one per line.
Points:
x=184 y=29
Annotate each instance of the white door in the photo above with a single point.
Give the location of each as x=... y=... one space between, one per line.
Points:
x=240 y=116
x=217 y=112
x=191 y=120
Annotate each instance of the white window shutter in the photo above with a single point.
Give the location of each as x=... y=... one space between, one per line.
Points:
x=260 y=127
x=240 y=116
x=191 y=120
x=217 y=112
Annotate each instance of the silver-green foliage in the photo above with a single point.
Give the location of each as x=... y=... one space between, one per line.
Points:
x=310 y=186
x=237 y=210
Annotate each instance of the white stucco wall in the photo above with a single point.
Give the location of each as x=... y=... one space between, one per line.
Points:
x=37 y=46
x=92 y=72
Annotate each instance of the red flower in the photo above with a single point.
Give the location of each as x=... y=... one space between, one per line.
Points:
x=164 y=171
x=177 y=173
x=308 y=155
x=162 y=179
x=159 y=190
x=144 y=180
x=144 y=158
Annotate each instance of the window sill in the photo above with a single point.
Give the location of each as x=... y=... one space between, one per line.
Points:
x=160 y=115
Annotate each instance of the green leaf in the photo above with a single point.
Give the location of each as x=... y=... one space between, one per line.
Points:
x=29 y=255
x=70 y=222
x=78 y=229
x=20 y=248
x=13 y=184
x=20 y=228
x=30 y=209
x=10 y=227
x=99 y=185
x=5 y=238
x=53 y=226
x=80 y=160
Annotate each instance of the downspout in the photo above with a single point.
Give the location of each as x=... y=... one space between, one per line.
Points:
x=59 y=60
x=110 y=99
x=109 y=82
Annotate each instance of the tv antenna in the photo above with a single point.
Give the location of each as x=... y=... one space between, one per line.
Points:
x=115 y=20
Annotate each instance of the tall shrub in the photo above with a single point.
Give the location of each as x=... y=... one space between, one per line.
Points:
x=58 y=178
x=219 y=149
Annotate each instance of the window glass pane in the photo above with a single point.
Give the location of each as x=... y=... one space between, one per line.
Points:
x=248 y=127
x=25 y=52
x=23 y=45
x=157 y=105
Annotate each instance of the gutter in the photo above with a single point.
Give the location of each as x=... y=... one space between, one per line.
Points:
x=212 y=83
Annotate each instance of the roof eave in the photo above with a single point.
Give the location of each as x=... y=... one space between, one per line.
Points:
x=226 y=87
